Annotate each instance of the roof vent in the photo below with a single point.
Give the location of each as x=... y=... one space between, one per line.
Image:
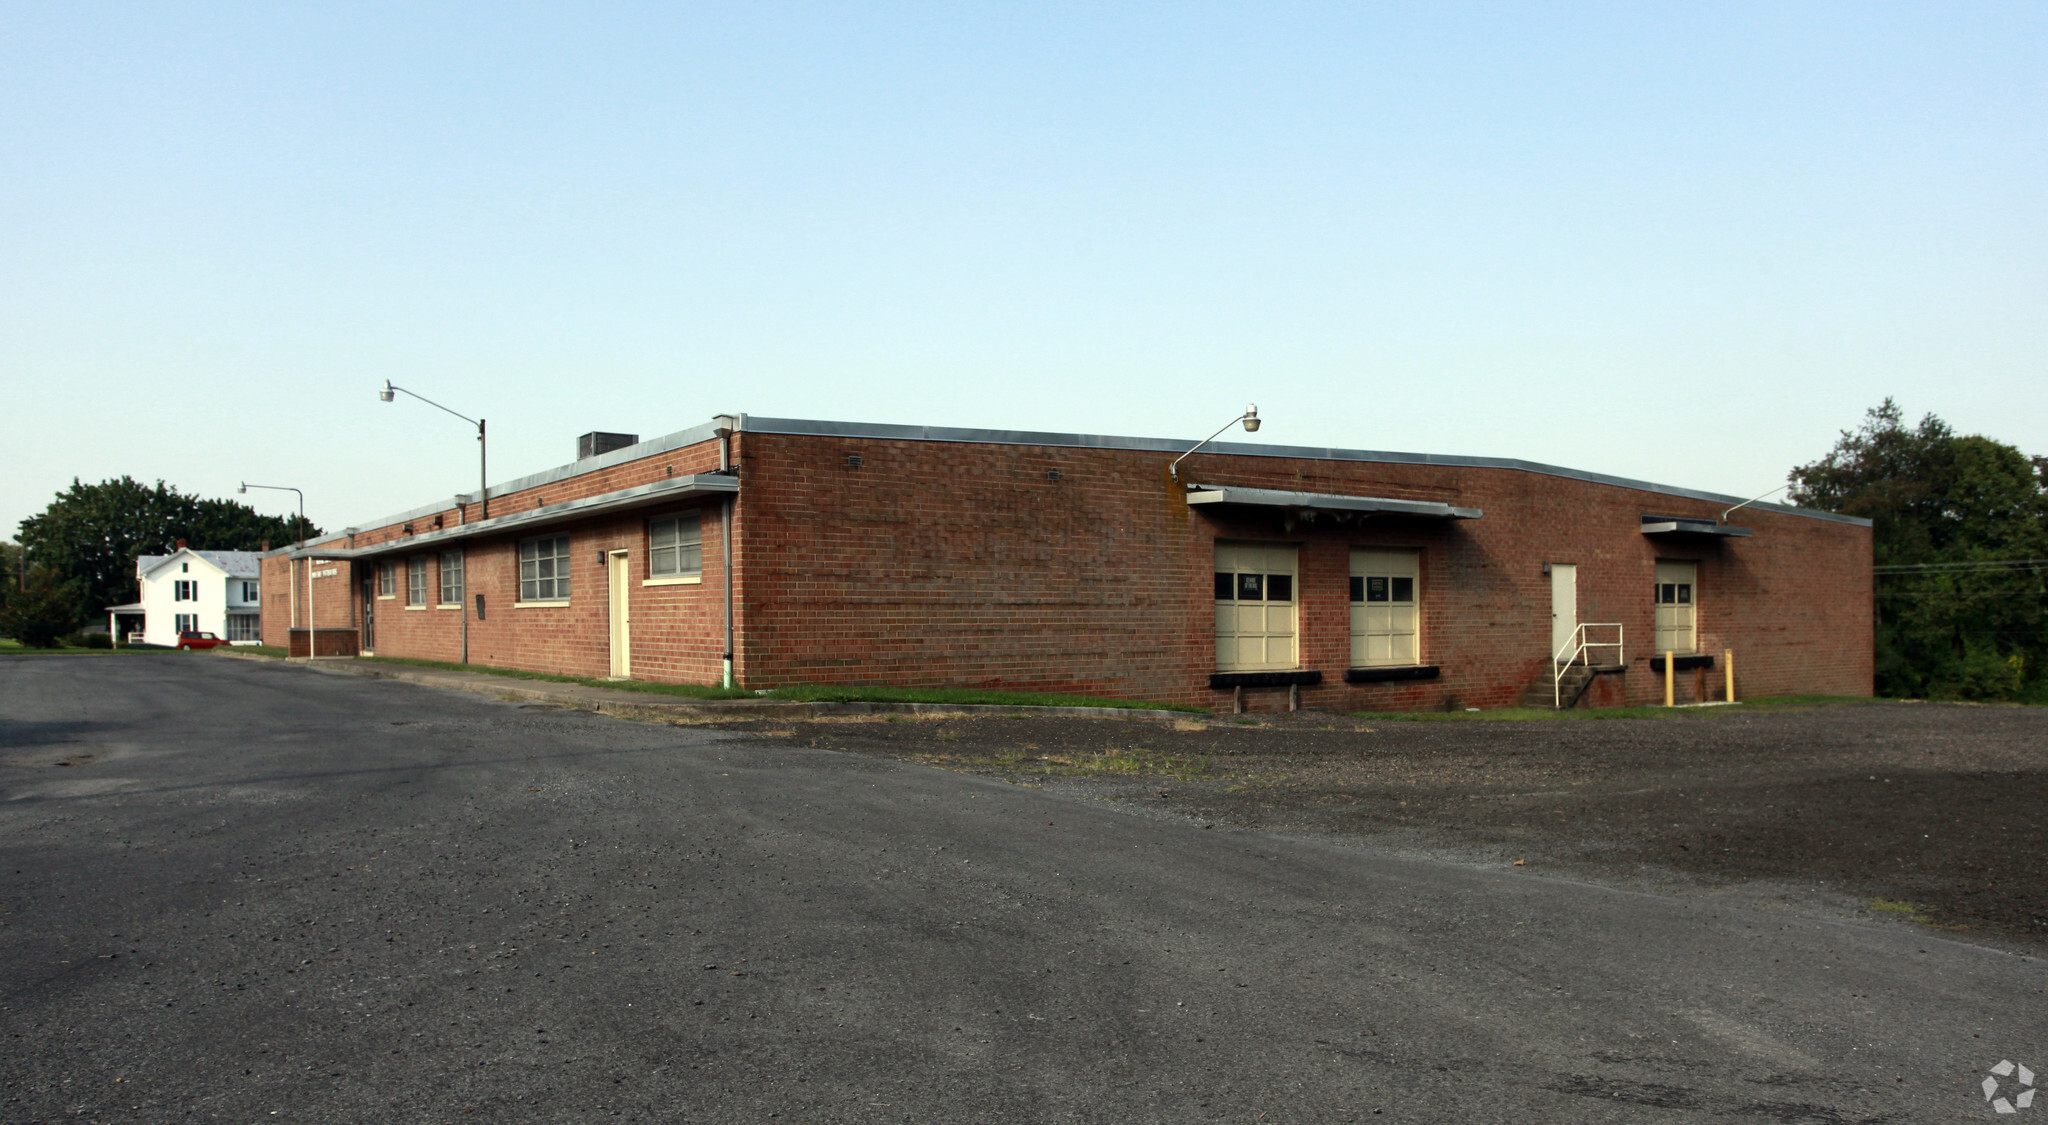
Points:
x=596 y=444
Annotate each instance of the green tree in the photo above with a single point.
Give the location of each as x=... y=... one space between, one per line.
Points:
x=1960 y=527
x=45 y=610
x=91 y=534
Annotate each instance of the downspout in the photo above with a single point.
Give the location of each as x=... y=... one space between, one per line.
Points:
x=727 y=423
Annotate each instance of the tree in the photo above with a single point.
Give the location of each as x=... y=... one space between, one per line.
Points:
x=42 y=612
x=1960 y=529
x=91 y=534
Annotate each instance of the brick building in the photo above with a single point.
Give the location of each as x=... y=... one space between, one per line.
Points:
x=826 y=552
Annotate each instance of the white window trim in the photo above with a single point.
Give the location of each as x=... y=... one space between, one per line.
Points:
x=676 y=580
x=540 y=605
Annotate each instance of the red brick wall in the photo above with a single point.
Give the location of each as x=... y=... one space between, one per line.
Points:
x=940 y=563
x=953 y=563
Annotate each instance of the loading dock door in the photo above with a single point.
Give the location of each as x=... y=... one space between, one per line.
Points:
x=1564 y=606
x=1677 y=606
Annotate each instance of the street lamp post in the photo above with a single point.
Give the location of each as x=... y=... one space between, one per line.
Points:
x=1250 y=418
x=483 y=492
x=312 y=624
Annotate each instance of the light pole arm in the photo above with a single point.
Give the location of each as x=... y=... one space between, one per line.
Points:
x=1751 y=500
x=483 y=488
x=1173 y=470
x=390 y=386
x=246 y=486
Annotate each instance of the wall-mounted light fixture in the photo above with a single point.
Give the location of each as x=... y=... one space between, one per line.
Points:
x=1250 y=418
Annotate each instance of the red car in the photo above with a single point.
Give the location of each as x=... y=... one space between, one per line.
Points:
x=189 y=640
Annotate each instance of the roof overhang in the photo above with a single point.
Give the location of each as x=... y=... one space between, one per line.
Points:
x=131 y=607
x=668 y=491
x=1200 y=494
x=1681 y=525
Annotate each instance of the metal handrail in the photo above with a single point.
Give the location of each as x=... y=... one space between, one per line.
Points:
x=1577 y=647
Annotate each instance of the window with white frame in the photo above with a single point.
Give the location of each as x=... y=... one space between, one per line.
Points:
x=187 y=623
x=251 y=592
x=183 y=590
x=544 y=569
x=451 y=578
x=675 y=546
x=1384 y=608
x=1255 y=606
x=387 y=579
x=245 y=627
x=416 y=580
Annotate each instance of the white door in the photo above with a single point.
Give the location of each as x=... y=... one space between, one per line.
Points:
x=1677 y=606
x=1564 y=607
x=616 y=571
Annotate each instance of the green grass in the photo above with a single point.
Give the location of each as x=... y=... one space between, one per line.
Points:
x=803 y=693
x=1912 y=912
x=816 y=693
x=1545 y=714
x=1134 y=762
x=686 y=691
x=11 y=647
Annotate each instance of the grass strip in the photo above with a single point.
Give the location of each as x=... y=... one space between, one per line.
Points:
x=803 y=693
x=859 y=693
x=11 y=647
x=685 y=691
x=1545 y=714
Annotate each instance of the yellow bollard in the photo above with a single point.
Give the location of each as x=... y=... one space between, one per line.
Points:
x=1728 y=675
x=1670 y=664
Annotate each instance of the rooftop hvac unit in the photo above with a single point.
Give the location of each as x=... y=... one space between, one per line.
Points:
x=594 y=444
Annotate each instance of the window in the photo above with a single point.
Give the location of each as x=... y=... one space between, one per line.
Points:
x=251 y=592
x=1255 y=608
x=416 y=580
x=187 y=623
x=1383 y=608
x=451 y=578
x=1677 y=606
x=675 y=546
x=245 y=627
x=183 y=590
x=387 y=579
x=544 y=570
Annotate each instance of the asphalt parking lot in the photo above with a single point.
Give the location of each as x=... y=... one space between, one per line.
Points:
x=1934 y=812
x=247 y=892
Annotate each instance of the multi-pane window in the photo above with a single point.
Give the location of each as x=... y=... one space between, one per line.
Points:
x=451 y=577
x=1677 y=607
x=544 y=569
x=416 y=580
x=245 y=627
x=184 y=591
x=387 y=579
x=250 y=593
x=1255 y=607
x=187 y=622
x=1384 y=625
x=675 y=546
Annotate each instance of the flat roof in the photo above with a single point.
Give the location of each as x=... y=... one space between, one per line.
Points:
x=806 y=427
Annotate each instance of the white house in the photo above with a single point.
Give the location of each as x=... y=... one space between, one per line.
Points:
x=216 y=592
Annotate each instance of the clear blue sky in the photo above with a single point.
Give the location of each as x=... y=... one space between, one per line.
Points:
x=1682 y=243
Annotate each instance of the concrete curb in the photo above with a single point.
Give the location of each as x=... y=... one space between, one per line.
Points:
x=634 y=705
